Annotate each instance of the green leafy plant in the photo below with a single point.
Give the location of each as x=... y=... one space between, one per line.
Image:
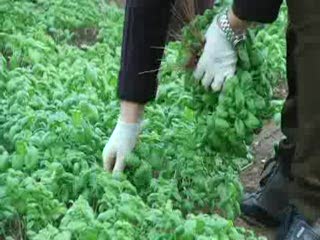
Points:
x=58 y=105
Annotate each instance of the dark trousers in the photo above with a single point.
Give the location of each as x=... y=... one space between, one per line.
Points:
x=301 y=113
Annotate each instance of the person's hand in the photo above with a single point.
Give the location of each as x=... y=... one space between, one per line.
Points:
x=123 y=138
x=218 y=61
x=120 y=144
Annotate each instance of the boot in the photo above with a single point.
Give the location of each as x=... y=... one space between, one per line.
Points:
x=264 y=206
x=295 y=227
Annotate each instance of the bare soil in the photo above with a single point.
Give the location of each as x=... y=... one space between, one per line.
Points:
x=263 y=149
x=85 y=37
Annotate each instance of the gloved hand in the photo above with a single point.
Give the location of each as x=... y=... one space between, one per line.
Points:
x=120 y=144
x=218 y=61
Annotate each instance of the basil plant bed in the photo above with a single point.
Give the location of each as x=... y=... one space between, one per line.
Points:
x=58 y=106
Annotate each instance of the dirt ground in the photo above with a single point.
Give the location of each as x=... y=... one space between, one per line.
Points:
x=263 y=148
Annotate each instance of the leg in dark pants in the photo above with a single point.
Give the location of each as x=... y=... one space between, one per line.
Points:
x=305 y=166
x=304 y=171
x=299 y=155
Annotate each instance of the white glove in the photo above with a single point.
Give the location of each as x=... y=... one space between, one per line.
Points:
x=218 y=61
x=120 y=144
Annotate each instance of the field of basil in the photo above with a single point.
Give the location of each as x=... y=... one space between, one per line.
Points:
x=59 y=63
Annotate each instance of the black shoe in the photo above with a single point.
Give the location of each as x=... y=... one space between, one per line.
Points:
x=264 y=206
x=295 y=227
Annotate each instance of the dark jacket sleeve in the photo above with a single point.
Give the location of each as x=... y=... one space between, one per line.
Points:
x=145 y=31
x=263 y=11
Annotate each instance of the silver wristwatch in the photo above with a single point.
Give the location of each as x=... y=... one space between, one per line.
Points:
x=233 y=37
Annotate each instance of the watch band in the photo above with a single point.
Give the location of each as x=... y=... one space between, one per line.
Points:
x=233 y=37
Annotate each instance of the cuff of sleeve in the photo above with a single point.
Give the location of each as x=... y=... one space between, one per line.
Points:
x=253 y=12
x=136 y=99
x=138 y=90
x=148 y=3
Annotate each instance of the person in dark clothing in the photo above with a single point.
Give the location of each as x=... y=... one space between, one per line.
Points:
x=289 y=193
